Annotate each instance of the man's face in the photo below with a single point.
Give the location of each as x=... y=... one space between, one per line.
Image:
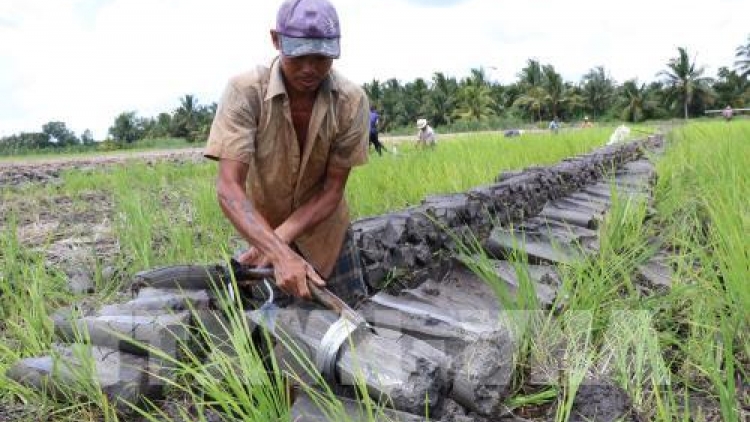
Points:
x=303 y=73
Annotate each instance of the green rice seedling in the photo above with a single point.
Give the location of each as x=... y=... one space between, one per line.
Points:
x=456 y=164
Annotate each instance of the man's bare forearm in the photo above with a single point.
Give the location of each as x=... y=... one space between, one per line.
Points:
x=248 y=221
x=309 y=215
x=318 y=208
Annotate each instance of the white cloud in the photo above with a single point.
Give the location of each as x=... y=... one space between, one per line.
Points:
x=84 y=61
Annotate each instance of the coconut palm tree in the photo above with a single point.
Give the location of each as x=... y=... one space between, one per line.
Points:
x=598 y=90
x=475 y=102
x=731 y=88
x=635 y=101
x=533 y=101
x=532 y=74
x=743 y=59
x=374 y=92
x=555 y=89
x=442 y=99
x=685 y=80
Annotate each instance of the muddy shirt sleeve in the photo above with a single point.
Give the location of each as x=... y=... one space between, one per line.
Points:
x=349 y=149
x=234 y=127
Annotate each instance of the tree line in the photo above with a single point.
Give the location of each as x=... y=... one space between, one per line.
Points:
x=540 y=93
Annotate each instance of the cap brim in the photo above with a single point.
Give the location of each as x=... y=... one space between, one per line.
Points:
x=293 y=47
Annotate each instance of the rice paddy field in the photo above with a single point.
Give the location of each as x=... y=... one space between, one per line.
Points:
x=681 y=354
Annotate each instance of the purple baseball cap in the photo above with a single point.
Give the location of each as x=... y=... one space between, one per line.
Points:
x=308 y=27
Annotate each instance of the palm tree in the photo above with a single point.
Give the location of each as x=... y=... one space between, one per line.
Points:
x=185 y=118
x=441 y=102
x=686 y=81
x=531 y=75
x=635 y=101
x=415 y=99
x=394 y=113
x=555 y=89
x=532 y=100
x=475 y=102
x=598 y=90
x=743 y=59
x=374 y=93
x=731 y=88
x=478 y=77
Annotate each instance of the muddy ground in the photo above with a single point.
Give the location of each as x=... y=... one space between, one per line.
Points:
x=75 y=233
x=22 y=170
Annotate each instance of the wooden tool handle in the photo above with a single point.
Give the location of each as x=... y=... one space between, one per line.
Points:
x=326 y=298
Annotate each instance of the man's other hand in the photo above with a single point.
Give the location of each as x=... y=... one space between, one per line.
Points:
x=292 y=273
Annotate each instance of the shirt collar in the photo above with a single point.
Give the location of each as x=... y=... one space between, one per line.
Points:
x=276 y=81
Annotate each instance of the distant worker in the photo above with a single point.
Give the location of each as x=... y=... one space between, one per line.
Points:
x=727 y=113
x=425 y=136
x=586 y=123
x=374 y=122
x=554 y=125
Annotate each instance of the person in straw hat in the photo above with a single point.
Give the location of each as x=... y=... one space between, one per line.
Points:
x=425 y=136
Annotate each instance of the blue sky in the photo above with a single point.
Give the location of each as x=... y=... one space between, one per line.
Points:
x=85 y=61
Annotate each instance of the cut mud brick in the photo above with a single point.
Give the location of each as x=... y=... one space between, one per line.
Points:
x=80 y=281
x=123 y=377
x=599 y=200
x=151 y=300
x=564 y=233
x=181 y=277
x=605 y=190
x=480 y=348
x=307 y=409
x=581 y=218
x=410 y=382
x=544 y=278
x=538 y=246
x=656 y=273
x=137 y=334
x=571 y=203
x=642 y=167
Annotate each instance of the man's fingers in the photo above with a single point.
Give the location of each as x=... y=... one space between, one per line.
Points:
x=249 y=257
x=313 y=276
x=263 y=261
x=304 y=291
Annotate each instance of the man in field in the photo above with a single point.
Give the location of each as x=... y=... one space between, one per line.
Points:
x=374 y=122
x=727 y=113
x=286 y=136
x=425 y=136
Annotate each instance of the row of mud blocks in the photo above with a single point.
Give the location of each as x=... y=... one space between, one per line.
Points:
x=446 y=345
x=449 y=345
x=412 y=241
x=111 y=348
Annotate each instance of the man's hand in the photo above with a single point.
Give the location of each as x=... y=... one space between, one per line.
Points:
x=254 y=258
x=292 y=273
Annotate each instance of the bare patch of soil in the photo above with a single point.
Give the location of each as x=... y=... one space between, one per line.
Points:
x=44 y=170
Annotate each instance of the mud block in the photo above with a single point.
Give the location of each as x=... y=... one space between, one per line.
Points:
x=579 y=217
x=544 y=279
x=411 y=381
x=656 y=273
x=181 y=277
x=539 y=247
x=151 y=300
x=135 y=334
x=572 y=204
x=307 y=409
x=123 y=377
x=463 y=324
